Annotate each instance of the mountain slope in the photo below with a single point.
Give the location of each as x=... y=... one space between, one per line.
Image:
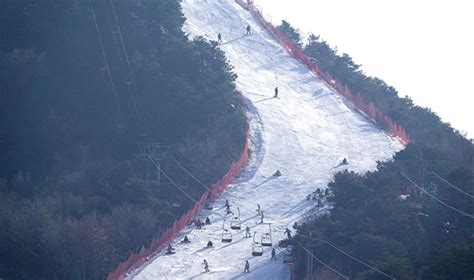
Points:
x=304 y=133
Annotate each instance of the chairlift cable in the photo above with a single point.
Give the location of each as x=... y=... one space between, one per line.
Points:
x=451 y=185
x=349 y=255
x=437 y=199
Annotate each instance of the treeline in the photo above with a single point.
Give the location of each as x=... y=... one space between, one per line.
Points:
x=81 y=82
x=390 y=218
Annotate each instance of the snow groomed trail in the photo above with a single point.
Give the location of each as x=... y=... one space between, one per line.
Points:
x=304 y=133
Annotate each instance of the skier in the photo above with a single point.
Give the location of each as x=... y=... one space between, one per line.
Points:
x=277 y=173
x=186 y=239
x=295 y=225
x=209 y=244
x=219 y=38
x=247 y=266
x=228 y=211
x=258 y=209
x=276 y=92
x=206 y=265
x=247 y=232
x=198 y=224
x=288 y=233
x=248 y=29
x=208 y=221
x=273 y=254
x=344 y=161
x=261 y=216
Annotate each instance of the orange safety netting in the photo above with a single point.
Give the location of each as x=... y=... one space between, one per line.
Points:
x=366 y=107
x=136 y=260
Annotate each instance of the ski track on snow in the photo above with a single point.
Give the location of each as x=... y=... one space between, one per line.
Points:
x=304 y=133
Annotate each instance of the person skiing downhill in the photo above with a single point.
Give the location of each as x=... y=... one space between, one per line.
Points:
x=248 y=30
x=288 y=233
x=273 y=255
x=208 y=221
x=247 y=232
x=219 y=38
x=206 y=265
x=276 y=92
x=258 y=209
x=209 y=244
x=247 y=266
x=277 y=173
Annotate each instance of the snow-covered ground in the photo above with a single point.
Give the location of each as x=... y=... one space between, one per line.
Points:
x=304 y=133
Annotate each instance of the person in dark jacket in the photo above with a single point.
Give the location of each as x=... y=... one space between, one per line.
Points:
x=247 y=266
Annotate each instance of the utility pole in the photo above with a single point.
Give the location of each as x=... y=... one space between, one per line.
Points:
x=152 y=153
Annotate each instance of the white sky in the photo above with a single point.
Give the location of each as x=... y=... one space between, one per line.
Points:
x=424 y=48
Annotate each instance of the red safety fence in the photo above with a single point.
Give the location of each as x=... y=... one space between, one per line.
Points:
x=366 y=107
x=135 y=260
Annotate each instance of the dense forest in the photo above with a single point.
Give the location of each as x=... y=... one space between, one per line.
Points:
x=410 y=219
x=81 y=82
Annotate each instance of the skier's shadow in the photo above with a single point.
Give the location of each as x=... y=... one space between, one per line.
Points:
x=339 y=165
x=264 y=99
x=265 y=181
x=233 y=40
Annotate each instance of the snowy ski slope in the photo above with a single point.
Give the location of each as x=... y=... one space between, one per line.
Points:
x=304 y=133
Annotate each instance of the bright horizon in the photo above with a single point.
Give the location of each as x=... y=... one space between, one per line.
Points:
x=422 y=48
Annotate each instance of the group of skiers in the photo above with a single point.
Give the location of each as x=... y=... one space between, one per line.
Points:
x=198 y=224
x=247 y=32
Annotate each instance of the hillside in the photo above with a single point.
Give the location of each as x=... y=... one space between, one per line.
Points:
x=305 y=133
x=81 y=82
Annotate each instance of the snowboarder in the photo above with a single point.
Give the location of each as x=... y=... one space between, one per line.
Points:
x=248 y=29
x=186 y=239
x=247 y=232
x=247 y=266
x=277 y=173
x=206 y=265
x=208 y=221
x=261 y=216
x=219 y=38
x=209 y=244
x=276 y=92
x=288 y=233
x=169 y=250
x=273 y=254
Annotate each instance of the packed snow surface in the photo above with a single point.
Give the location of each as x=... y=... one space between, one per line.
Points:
x=305 y=133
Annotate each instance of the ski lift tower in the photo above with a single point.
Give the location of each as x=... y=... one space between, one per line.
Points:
x=152 y=153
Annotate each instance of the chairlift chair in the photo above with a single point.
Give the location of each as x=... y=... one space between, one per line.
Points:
x=267 y=237
x=226 y=234
x=257 y=248
x=235 y=222
x=176 y=203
